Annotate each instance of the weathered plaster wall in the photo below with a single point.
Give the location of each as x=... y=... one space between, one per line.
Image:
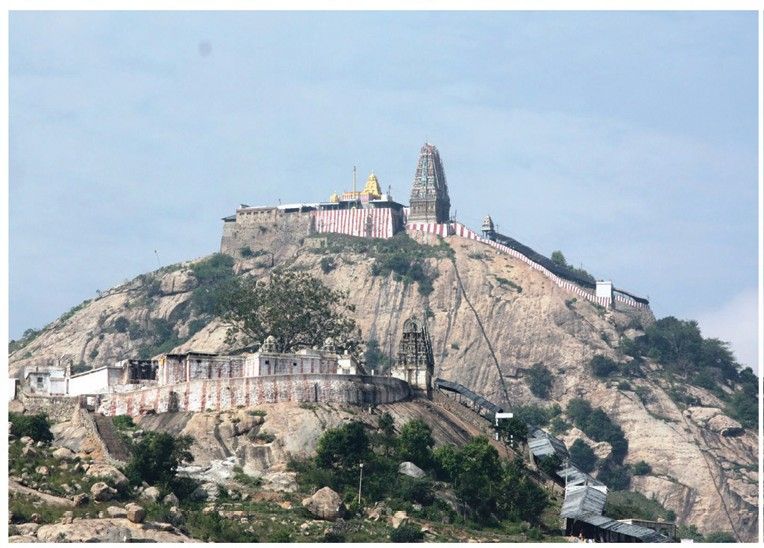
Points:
x=218 y=395
x=58 y=408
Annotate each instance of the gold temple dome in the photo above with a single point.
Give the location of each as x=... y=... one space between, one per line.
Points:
x=372 y=188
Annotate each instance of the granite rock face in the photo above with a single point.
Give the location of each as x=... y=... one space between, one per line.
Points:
x=704 y=467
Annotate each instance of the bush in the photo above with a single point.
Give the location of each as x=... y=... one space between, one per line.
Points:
x=121 y=324
x=614 y=475
x=632 y=504
x=623 y=385
x=214 y=528
x=123 y=422
x=539 y=380
x=744 y=409
x=156 y=458
x=602 y=366
x=327 y=264
x=36 y=427
x=535 y=415
x=246 y=251
x=582 y=455
x=597 y=425
x=406 y=533
x=642 y=468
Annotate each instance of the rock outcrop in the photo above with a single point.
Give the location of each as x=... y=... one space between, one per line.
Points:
x=704 y=467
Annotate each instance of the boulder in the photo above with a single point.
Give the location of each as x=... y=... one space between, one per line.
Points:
x=176 y=516
x=80 y=500
x=26 y=529
x=68 y=517
x=116 y=512
x=26 y=440
x=398 y=519
x=150 y=494
x=135 y=513
x=102 y=492
x=410 y=469
x=42 y=470
x=171 y=500
x=28 y=451
x=108 y=472
x=63 y=453
x=325 y=504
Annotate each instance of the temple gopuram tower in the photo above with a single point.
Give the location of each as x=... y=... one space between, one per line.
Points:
x=429 y=191
x=415 y=363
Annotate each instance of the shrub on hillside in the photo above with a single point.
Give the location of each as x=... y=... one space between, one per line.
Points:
x=583 y=455
x=156 y=458
x=597 y=425
x=36 y=427
x=642 y=468
x=614 y=475
x=406 y=533
x=539 y=380
x=602 y=366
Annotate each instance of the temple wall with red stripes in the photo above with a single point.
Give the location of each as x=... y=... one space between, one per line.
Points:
x=224 y=394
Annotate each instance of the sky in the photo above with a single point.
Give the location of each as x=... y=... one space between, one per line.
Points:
x=626 y=140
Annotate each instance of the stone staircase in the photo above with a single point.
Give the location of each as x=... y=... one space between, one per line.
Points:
x=112 y=442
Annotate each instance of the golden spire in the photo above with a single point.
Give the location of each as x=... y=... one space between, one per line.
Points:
x=372 y=189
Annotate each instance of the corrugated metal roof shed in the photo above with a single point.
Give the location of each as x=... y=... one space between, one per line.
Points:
x=583 y=499
x=542 y=443
x=466 y=392
x=635 y=531
x=577 y=477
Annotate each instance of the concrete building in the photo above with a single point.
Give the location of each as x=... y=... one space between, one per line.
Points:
x=50 y=381
x=415 y=363
x=175 y=368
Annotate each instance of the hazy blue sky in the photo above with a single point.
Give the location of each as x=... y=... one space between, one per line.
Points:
x=627 y=140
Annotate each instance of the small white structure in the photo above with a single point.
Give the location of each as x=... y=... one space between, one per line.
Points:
x=96 y=381
x=50 y=381
x=604 y=290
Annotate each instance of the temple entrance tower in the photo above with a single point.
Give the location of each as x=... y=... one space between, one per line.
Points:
x=488 y=228
x=429 y=192
x=415 y=363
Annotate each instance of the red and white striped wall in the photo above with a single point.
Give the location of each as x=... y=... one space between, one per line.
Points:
x=462 y=231
x=369 y=223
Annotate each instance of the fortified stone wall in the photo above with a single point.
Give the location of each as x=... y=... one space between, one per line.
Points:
x=281 y=229
x=58 y=408
x=222 y=394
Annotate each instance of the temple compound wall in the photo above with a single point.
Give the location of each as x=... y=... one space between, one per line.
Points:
x=224 y=394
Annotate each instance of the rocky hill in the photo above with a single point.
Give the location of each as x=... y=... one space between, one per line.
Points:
x=487 y=312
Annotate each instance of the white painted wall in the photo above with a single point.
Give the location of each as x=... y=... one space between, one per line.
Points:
x=604 y=289
x=96 y=381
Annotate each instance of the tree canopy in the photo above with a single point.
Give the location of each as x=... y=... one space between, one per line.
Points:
x=297 y=309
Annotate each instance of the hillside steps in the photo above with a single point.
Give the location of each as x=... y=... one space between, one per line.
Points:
x=113 y=443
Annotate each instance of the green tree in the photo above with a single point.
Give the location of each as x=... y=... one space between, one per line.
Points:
x=513 y=431
x=550 y=464
x=519 y=498
x=539 y=380
x=344 y=447
x=294 y=307
x=415 y=443
x=583 y=455
x=558 y=258
x=386 y=426
x=475 y=482
x=375 y=359
x=614 y=475
x=446 y=459
x=155 y=459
